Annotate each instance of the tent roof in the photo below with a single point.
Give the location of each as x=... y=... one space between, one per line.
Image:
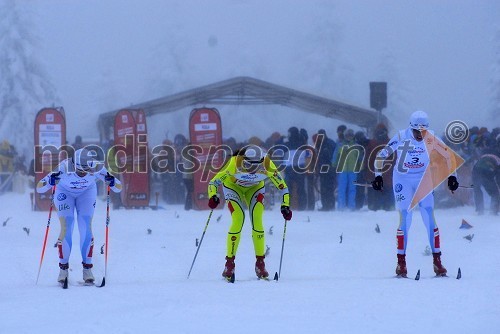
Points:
x=250 y=91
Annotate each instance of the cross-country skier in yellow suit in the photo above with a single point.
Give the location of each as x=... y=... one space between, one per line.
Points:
x=243 y=179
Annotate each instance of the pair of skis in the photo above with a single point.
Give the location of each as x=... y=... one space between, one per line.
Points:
x=277 y=274
x=64 y=284
x=230 y=279
x=417 y=277
x=369 y=185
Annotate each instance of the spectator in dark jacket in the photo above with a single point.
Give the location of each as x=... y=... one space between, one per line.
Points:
x=379 y=200
x=486 y=174
x=361 y=140
x=325 y=147
x=294 y=171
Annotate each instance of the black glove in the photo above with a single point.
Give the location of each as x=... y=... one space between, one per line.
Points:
x=213 y=202
x=286 y=212
x=378 y=183
x=452 y=183
x=54 y=178
x=110 y=178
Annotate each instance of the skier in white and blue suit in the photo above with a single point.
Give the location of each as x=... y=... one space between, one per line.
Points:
x=76 y=189
x=415 y=146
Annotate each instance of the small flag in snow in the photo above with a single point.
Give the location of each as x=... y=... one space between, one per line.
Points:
x=465 y=224
x=469 y=237
x=377 y=229
x=5 y=221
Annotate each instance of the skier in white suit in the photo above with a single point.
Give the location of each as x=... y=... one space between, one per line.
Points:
x=75 y=180
x=413 y=159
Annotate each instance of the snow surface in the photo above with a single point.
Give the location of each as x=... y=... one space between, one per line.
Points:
x=325 y=286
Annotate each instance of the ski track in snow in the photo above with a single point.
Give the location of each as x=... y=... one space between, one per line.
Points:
x=325 y=285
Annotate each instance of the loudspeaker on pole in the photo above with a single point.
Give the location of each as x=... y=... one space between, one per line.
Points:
x=378 y=95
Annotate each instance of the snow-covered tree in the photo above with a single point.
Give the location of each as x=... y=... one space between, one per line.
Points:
x=24 y=86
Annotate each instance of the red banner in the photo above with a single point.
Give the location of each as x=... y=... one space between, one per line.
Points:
x=130 y=156
x=138 y=190
x=205 y=131
x=50 y=135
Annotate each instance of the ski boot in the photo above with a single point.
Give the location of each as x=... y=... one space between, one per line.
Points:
x=228 y=272
x=63 y=272
x=438 y=267
x=401 y=270
x=260 y=267
x=88 y=277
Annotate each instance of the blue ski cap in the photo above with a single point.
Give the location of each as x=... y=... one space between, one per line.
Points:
x=84 y=160
x=419 y=120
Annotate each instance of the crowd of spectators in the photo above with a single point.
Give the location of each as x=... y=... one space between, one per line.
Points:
x=13 y=170
x=326 y=172
x=481 y=169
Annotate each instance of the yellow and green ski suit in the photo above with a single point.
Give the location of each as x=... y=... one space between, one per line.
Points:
x=241 y=189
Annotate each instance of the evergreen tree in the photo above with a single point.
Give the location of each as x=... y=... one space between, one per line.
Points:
x=24 y=87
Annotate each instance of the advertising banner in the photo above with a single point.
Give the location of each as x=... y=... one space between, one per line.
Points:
x=50 y=136
x=205 y=132
x=138 y=190
x=130 y=157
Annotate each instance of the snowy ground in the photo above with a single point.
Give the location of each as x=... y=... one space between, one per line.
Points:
x=325 y=287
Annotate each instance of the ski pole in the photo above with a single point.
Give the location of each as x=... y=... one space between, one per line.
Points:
x=201 y=240
x=278 y=274
x=46 y=232
x=367 y=185
x=106 y=241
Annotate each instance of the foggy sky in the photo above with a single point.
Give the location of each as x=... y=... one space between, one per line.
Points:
x=437 y=56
